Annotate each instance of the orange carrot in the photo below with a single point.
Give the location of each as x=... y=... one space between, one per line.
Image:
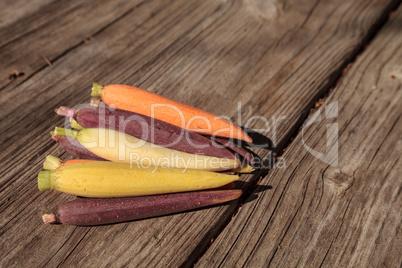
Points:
x=53 y=162
x=153 y=105
x=73 y=161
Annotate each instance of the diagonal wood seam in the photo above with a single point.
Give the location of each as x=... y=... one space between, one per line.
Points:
x=327 y=88
x=287 y=139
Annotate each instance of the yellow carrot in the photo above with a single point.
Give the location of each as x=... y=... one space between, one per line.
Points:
x=108 y=179
x=123 y=148
x=153 y=105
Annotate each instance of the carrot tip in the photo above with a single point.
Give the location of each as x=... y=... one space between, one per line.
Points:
x=244 y=169
x=231 y=195
x=237 y=194
x=248 y=138
x=49 y=218
x=97 y=90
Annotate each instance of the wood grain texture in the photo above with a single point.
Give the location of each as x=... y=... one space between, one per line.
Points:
x=11 y=11
x=45 y=30
x=275 y=59
x=340 y=211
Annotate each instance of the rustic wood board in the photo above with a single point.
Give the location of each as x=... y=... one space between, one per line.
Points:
x=322 y=214
x=12 y=11
x=43 y=31
x=208 y=53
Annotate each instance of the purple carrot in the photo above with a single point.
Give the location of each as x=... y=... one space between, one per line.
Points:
x=237 y=149
x=146 y=128
x=228 y=186
x=73 y=147
x=98 y=211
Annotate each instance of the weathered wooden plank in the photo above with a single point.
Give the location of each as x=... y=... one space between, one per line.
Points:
x=324 y=212
x=207 y=53
x=11 y=11
x=43 y=30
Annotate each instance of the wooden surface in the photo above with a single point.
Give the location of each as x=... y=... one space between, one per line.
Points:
x=322 y=214
x=276 y=58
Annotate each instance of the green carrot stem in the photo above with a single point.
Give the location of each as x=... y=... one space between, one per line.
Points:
x=44 y=180
x=51 y=162
x=75 y=125
x=59 y=131
x=97 y=90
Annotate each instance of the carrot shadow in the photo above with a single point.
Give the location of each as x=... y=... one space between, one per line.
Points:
x=250 y=193
x=259 y=140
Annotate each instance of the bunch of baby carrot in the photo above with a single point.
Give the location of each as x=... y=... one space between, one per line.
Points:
x=141 y=155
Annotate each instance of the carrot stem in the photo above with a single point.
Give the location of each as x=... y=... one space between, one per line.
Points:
x=59 y=131
x=95 y=102
x=65 y=111
x=44 y=182
x=49 y=218
x=52 y=162
x=97 y=90
x=75 y=125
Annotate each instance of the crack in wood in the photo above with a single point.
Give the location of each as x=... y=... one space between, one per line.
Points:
x=336 y=237
x=286 y=140
x=326 y=92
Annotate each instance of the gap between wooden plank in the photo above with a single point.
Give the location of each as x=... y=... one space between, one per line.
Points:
x=59 y=200
x=327 y=91
x=330 y=95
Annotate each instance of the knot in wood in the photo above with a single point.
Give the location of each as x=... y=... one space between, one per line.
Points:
x=265 y=9
x=339 y=179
